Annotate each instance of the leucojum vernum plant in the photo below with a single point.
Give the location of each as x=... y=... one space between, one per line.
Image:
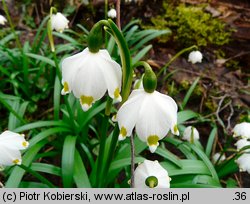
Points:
x=139 y=112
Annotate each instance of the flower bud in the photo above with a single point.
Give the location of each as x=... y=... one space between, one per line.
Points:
x=149 y=81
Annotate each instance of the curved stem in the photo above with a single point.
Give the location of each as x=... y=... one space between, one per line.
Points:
x=127 y=71
x=163 y=69
x=144 y=64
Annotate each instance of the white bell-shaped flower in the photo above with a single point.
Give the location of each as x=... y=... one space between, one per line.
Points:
x=150 y=174
x=89 y=75
x=59 y=22
x=242 y=143
x=194 y=57
x=190 y=133
x=112 y=13
x=152 y=115
x=242 y=130
x=10 y=145
x=217 y=156
x=244 y=162
x=3 y=20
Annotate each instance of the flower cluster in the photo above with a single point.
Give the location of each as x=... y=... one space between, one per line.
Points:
x=10 y=144
x=92 y=72
x=242 y=130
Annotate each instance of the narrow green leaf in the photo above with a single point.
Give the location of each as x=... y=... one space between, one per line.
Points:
x=68 y=160
x=41 y=58
x=189 y=93
x=185 y=115
x=46 y=133
x=46 y=168
x=141 y=54
x=188 y=167
x=80 y=175
x=205 y=159
x=40 y=124
x=210 y=141
x=169 y=156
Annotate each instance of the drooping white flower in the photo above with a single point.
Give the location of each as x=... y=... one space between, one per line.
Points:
x=244 y=162
x=59 y=22
x=89 y=75
x=112 y=13
x=3 y=20
x=150 y=174
x=242 y=143
x=10 y=145
x=189 y=133
x=194 y=57
x=152 y=115
x=216 y=156
x=242 y=130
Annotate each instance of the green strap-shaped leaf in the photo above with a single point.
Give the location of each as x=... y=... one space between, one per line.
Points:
x=80 y=175
x=68 y=160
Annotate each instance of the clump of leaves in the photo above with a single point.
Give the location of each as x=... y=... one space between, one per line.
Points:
x=192 y=25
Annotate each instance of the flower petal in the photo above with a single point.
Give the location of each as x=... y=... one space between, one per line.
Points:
x=169 y=109
x=70 y=67
x=148 y=169
x=128 y=113
x=112 y=74
x=9 y=156
x=13 y=140
x=89 y=81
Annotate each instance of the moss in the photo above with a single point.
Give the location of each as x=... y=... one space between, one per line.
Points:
x=192 y=25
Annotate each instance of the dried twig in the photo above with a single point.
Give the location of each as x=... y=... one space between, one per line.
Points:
x=132 y=181
x=229 y=117
x=118 y=14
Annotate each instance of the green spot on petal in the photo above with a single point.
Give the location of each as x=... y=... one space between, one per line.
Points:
x=123 y=132
x=175 y=129
x=153 y=140
x=86 y=100
x=65 y=87
x=16 y=161
x=117 y=93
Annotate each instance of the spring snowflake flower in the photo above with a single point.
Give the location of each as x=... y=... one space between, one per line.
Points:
x=242 y=143
x=59 y=22
x=3 y=20
x=189 y=132
x=112 y=13
x=150 y=174
x=152 y=115
x=10 y=145
x=194 y=57
x=244 y=162
x=242 y=130
x=216 y=156
x=89 y=75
